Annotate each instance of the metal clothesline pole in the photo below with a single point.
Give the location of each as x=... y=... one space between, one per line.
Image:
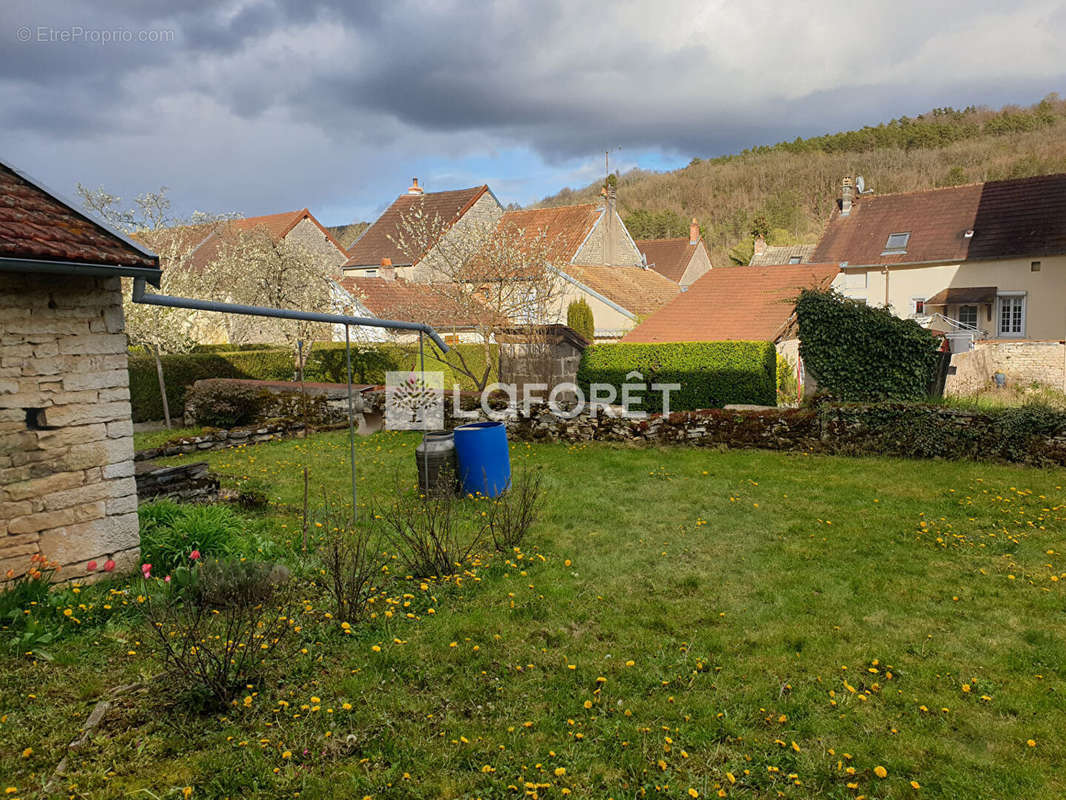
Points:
x=351 y=418
x=140 y=295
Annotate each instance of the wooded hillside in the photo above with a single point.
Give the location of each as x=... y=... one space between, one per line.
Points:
x=789 y=189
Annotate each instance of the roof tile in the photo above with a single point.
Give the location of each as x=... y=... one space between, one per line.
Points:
x=740 y=303
x=36 y=225
x=668 y=257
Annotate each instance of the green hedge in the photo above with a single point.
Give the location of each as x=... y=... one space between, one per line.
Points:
x=711 y=374
x=861 y=353
x=326 y=363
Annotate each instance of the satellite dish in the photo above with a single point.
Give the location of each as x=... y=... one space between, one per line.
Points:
x=860 y=184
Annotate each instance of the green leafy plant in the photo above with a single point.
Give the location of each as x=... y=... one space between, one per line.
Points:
x=253 y=494
x=861 y=353
x=710 y=374
x=171 y=533
x=787 y=383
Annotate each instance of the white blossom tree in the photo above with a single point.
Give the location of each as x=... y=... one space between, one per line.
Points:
x=157 y=329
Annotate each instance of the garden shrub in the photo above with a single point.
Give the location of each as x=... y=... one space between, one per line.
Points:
x=433 y=535
x=224 y=404
x=787 y=383
x=219 y=626
x=861 y=353
x=579 y=317
x=711 y=374
x=352 y=557
x=513 y=513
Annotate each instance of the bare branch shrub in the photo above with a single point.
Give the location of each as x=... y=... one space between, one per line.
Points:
x=353 y=559
x=511 y=515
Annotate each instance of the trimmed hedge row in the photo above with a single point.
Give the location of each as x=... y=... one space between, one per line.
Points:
x=711 y=374
x=326 y=363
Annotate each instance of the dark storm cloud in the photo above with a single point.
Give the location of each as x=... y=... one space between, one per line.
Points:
x=356 y=89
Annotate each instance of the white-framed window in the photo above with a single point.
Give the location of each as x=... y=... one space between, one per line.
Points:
x=1010 y=314
x=968 y=315
x=370 y=273
x=917 y=306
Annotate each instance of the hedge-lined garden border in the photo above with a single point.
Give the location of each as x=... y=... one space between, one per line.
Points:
x=711 y=374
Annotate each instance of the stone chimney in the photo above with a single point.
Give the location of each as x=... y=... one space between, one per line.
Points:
x=760 y=244
x=415 y=188
x=693 y=232
x=847 y=194
x=388 y=271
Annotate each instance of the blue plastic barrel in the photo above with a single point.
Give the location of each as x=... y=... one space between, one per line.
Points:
x=484 y=460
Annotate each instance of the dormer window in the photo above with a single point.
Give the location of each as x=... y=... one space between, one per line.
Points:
x=896 y=244
x=793 y=259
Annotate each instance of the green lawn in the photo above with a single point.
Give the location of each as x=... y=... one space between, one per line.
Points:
x=742 y=623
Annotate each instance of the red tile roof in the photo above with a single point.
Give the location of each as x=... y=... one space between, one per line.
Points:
x=742 y=303
x=668 y=257
x=562 y=229
x=638 y=290
x=277 y=227
x=415 y=302
x=1009 y=219
x=36 y=225
x=377 y=242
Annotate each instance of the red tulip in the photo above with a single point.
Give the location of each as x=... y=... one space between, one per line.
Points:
x=109 y=565
x=195 y=555
x=90 y=567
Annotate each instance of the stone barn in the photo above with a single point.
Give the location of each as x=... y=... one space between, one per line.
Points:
x=67 y=490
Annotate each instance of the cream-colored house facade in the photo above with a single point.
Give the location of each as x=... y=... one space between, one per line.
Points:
x=978 y=262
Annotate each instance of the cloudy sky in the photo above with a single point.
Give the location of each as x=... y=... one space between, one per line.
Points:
x=259 y=106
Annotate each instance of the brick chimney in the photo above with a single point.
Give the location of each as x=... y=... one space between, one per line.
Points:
x=693 y=232
x=415 y=188
x=760 y=244
x=847 y=194
x=388 y=271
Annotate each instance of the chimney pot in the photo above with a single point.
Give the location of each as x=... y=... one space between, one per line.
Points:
x=388 y=272
x=693 y=232
x=414 y=188
x=847 y=193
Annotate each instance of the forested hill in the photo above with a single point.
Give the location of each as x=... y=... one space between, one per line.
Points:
x=789 y=189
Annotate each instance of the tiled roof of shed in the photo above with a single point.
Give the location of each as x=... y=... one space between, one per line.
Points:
x=36 y=225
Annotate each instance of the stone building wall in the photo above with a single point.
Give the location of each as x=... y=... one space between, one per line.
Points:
x=1022 y=362
x=468 y=230
x=67 y=489
x=308 y=235
x=594 y=252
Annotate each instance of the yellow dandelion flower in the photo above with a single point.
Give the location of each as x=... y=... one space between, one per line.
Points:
x=880 y=771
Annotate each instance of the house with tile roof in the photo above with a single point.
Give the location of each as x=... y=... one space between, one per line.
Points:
x=682 y=260
x=70 y=496
x=735 y=303
x=595 y=258
x=450 y=215
x=985 y=261
x=386 y=296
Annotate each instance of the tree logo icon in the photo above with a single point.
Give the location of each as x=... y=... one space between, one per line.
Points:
x=414 y=401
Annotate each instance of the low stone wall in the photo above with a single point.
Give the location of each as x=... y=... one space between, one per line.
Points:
x=221 y=439
x=1022 y=362
x=906 y=430
x=187 y=483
